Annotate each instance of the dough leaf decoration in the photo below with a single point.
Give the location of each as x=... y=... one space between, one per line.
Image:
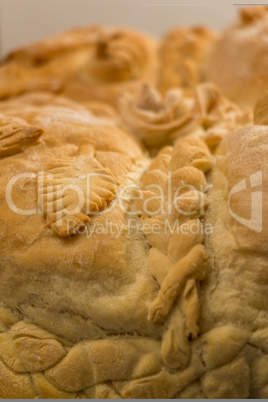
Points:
x=73 y=189
x=16 y=134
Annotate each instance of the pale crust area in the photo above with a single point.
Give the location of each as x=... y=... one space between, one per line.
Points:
x=236 y=290
x=238 y=64
x=235 y=270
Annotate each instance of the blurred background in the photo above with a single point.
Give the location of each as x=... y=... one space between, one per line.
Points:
x=23 y=21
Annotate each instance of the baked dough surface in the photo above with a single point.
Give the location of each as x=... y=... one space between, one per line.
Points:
x=133 y=232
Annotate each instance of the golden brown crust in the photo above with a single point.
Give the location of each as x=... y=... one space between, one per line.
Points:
x=43 y=51
x=120 y=60
x=47 y=64
x=94 y=63
x=122 y=55
x=124 y=275
x=15 y=79
x=16 y=134
x=261 y=111
x=183 y=56
x=249 y=15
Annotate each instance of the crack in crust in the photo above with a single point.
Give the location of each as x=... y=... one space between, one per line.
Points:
x=16 y=134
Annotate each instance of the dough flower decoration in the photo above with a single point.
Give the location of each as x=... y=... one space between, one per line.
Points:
x=213 y=117
x=183 y=54
x=217 y=115
x=152 y=118
x=158 y=121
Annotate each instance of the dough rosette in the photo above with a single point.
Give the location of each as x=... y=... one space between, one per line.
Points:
x=152 y=118
x=157 y=121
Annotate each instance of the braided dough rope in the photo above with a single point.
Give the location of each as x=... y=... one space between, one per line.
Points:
x=36 y=364
x=179 y=260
